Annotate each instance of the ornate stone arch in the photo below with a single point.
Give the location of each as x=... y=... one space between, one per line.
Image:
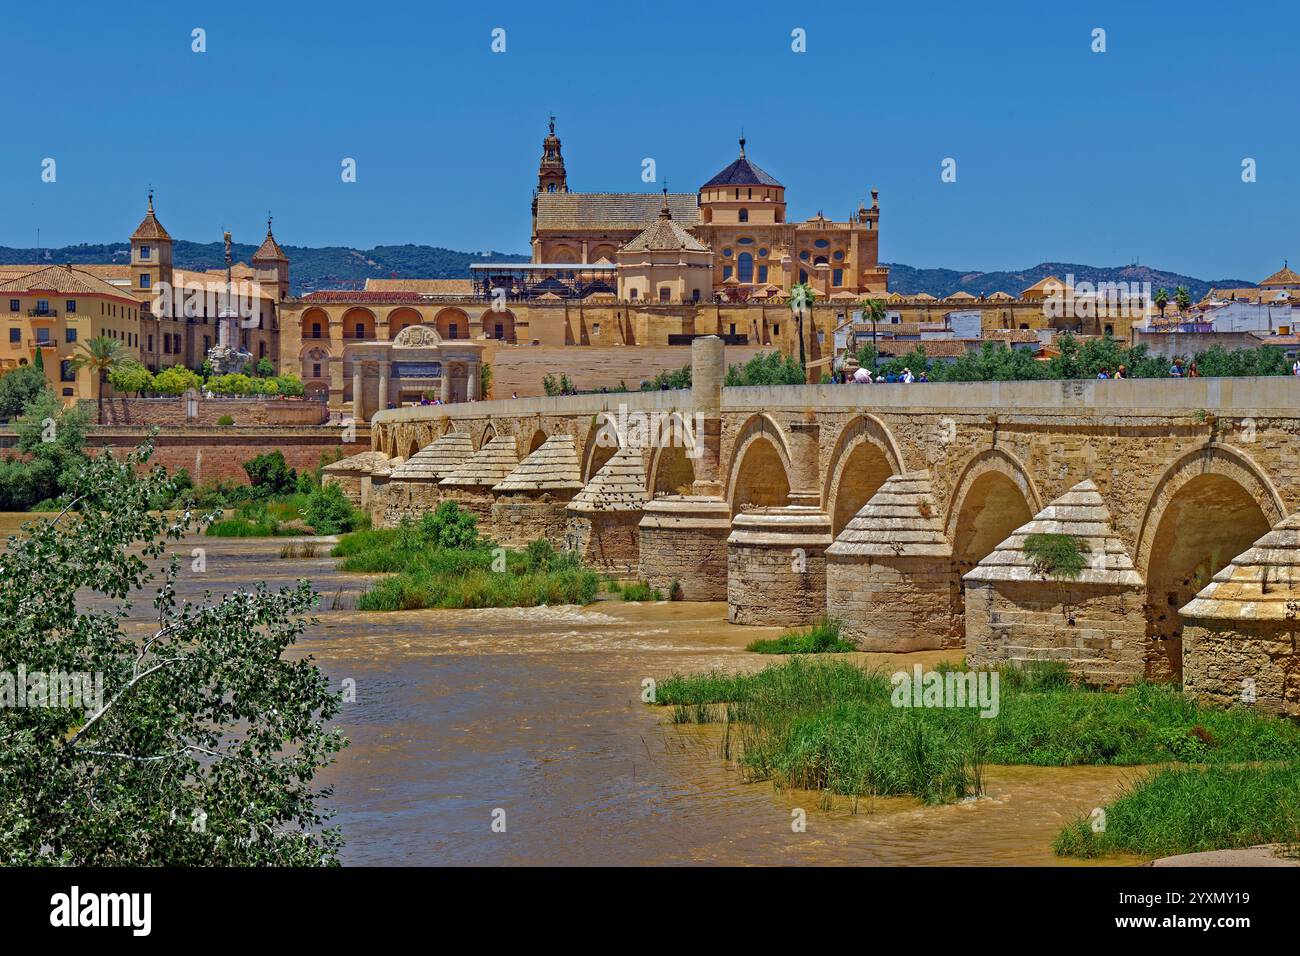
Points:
x=1208 y=459
x=759 y=427
x=859 y=432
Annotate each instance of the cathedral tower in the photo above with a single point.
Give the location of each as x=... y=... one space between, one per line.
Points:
x=550 y=173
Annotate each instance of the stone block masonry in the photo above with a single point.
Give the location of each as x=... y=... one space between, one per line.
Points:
x=895 y=604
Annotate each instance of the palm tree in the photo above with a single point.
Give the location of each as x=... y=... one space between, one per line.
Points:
x=1161 y=300
x=801 y=298
x=874 y=311
x=102 y=355
x=1183 y=298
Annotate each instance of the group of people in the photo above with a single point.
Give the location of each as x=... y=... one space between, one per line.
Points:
x=863 y=376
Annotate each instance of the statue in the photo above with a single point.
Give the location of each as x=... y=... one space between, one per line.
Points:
x=227 y=357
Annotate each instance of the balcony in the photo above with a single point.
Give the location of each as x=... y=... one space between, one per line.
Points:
x=42 y=313
x=42 y=344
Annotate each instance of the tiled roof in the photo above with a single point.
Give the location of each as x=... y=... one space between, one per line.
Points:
x=438 y=459
x=364 y=463
x=1282 y=277
x=426 y=286
x=900 y=520
x=1080 y=512
x=664 y=235
x=612 y=211
x=62 y=280
x=618 y=486
x=494 y=461
x=150 y=227
x=552 y=467
x=742 y=172
x=360 y=296
x=269 y=250
x=1261 y=583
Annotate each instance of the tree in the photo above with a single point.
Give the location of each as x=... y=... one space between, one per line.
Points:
x=176 y=380
x=194 y=742
x=1182 y=298
x=264 y=368
x=485 y=381
x=101 y=355
x=767 y=368
x=802 y=296
x=131 y=376
x=873 y=310
x=270 y=474
x=17 y=389
x=328 y=510
x=1161 y=300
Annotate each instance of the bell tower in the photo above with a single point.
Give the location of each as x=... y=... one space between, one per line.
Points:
x=550 y=173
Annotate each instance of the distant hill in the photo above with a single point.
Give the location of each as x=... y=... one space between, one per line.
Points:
x=339 y=267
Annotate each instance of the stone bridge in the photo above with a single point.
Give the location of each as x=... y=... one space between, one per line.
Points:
x=904 y=511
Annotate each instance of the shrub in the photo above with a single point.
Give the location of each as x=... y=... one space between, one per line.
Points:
x=225 y=421
x=328 y=510
x=641 y=591
x=450 y=526
x=270 y=474
x=176 y=380
x=1056 y=555
x=822 y=638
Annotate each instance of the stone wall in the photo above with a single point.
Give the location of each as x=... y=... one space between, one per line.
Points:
x=765 y=586
x=606 y=540
x=408 y=498
x=520 y=519
x=896 y=604
x=172 y=411
x=694 y=557
x=1096 y=630
x=1220 y=659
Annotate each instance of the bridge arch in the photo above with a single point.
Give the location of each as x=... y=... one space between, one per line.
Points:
x=760 y=466
x=672 y=467
x=536 y=441
x=603 y=439
x=1209 y=506
x=994 y=495
x=489 y=432
x=865 y=455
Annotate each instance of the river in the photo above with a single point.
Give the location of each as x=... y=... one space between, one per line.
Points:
x=536 y=712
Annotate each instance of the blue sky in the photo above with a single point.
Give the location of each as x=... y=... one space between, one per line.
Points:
x=1062 y=154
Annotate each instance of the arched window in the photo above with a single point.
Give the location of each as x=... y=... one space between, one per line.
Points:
x=745 y=267
x=550 y=187
x=744 y=215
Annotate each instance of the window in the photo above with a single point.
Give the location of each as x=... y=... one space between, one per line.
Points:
x=144 y=252
x=631 y=294
x=744 y=215
x=42 y=336
x=144 y=280
x=452 y=331
x=150 y=343
x=839 y=255
x=15 y=335
x=665 y=294
x=42 y=306
x=315 y=330
x=733 y=328
x=803 y=276
x=361 y=330
x=821 y=244
x=803 y=256
x=745 y=241
x=837 y=277
x=70 y=336
x=14 y=305
x=745 y=267
x=726 y=253
x=71 y=305
x=762 y=253
x=762 y=273
x=500 y=331
x=315 y=370
x=66 y=373
x=726 y=272
x=695 y=295
x=776 y=328
x=68 y=392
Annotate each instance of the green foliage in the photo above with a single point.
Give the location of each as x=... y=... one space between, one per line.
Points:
x=822 y=638
x=270 y=474
x=264 y=368
x=131 y=377
x=246 y=385
x=1061 y=556
x=17 y=389
x=225 y=421
x=176 y=380
x=669 y=379
x=450 y=526
x=829 y=725
x=641 y=591
x=328 y=510
x=201 y=716
x=51 y=437
x=485 y=380
x=767 y=368
x=1191 y=809
x=424 y=575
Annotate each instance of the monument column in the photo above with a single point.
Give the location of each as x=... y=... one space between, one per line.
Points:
x=471 y=386
x=383 y=385
x=358 y=409
x=444 y=382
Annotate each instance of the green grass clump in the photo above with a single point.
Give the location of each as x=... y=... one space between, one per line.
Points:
x=271 y=518
x=641 y=591
x=1056 y=555
x=425 y=574
x=830 y=724
x=822 y=638
x=1191 y=809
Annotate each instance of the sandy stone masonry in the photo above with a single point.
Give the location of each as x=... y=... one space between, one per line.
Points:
x=921 y=485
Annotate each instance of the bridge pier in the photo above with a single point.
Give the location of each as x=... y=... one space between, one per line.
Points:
x=604 y=516
x=470 y=485
x=776 y=566
x=532 y=501
x=890 y=580
x=412 y=489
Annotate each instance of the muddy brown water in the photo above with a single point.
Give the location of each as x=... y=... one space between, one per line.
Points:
x=537 y=712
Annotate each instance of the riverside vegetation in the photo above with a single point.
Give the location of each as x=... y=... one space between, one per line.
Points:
x=1230 y=777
